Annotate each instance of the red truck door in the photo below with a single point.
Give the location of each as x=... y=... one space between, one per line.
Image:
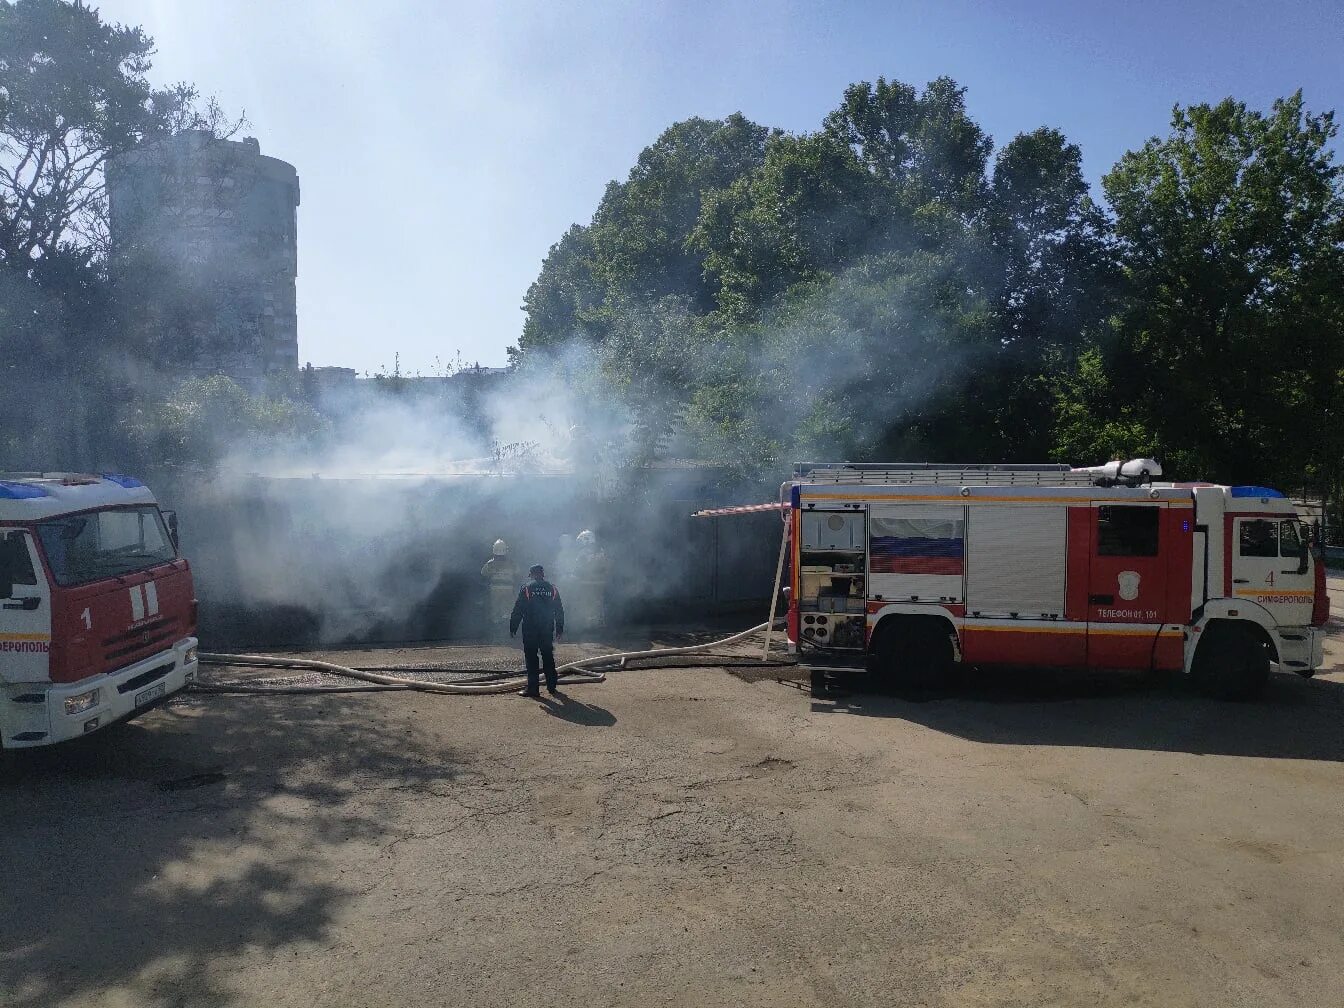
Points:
x=25 y=612
x=1127 y=584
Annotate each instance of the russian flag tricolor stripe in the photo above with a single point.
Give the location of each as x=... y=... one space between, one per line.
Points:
x=916 y=555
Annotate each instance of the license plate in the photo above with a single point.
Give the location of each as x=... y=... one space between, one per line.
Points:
x=153 y=693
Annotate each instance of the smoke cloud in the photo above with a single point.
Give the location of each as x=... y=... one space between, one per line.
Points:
x=377 y=528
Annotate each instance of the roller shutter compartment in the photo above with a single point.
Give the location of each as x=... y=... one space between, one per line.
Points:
x=1016 y=561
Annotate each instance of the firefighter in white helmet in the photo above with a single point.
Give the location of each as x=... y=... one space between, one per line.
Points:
x=501 y=579
x=589 y=580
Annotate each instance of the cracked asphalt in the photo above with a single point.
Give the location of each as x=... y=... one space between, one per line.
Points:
x=687 y=836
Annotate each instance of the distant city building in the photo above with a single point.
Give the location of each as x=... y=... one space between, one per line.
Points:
x=475 y=372
x=333 y=379
x=343 y=381
x=342 y=390
x=329 y=387
x=205 y=254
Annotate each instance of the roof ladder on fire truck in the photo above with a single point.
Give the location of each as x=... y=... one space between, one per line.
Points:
x=938 y=474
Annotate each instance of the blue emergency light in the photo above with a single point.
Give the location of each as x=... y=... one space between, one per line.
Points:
x=20 y=491
x=125 y=482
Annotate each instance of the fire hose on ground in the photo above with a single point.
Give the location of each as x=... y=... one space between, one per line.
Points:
x=570 y=673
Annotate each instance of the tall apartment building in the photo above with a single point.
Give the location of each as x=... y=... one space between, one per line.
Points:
x=205 y=254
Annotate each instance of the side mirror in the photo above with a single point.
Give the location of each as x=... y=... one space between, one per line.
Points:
x=170 y=519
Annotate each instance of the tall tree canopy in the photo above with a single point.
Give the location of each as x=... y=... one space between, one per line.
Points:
x=805 y=212
x=638 y=246
x=1226 y=351
x=924 y=148
x=1052 y=276
x=893 y=286
x=73 y=91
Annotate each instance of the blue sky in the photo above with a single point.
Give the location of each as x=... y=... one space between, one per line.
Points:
x=443 y=147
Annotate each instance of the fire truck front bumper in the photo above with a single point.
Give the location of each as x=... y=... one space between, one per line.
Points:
x=74 y=709
x=1301 y=649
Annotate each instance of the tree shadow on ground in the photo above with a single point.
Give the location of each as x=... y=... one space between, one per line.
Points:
x=1295 y=718
x=141 y=859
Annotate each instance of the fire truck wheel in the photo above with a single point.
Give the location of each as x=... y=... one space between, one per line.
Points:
x=1232 y=663
x=914 y=652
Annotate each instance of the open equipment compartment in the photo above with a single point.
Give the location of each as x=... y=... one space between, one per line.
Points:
x=833 y=578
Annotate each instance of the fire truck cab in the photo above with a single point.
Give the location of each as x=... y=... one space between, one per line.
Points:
x=97 y=610
x=907 y=569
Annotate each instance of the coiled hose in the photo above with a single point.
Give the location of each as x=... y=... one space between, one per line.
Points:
x=570 y=673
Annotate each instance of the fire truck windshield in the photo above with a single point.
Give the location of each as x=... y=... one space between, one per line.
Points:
x=99 y=544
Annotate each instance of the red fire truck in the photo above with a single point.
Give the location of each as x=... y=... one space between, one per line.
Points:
x=97 y=610
x=909 y=569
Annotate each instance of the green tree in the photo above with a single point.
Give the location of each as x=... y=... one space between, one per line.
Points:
x=892 y=169
x=47 y=313
x=1051 y=276
x=1050 y=239
x=1228 y=349
x=923 y=147
x=877 y=362
x=637 y=250
x=73 y=90
x=204 y=419
x=1092 y=423
x=869 y=289
x=561 y=300
x=807 y=211
x=641 y=229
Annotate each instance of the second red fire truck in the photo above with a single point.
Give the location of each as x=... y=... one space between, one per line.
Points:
x=912 y=568
x=97 y=610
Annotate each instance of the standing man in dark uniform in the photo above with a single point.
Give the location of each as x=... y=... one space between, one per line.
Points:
x=542 y=615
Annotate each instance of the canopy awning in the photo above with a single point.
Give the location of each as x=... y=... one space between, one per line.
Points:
x=740 y=510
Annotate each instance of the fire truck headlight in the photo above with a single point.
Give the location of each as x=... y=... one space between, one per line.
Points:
x=189 y=656
x=81 y=702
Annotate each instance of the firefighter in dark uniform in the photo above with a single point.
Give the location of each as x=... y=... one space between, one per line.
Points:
x=541 y=614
